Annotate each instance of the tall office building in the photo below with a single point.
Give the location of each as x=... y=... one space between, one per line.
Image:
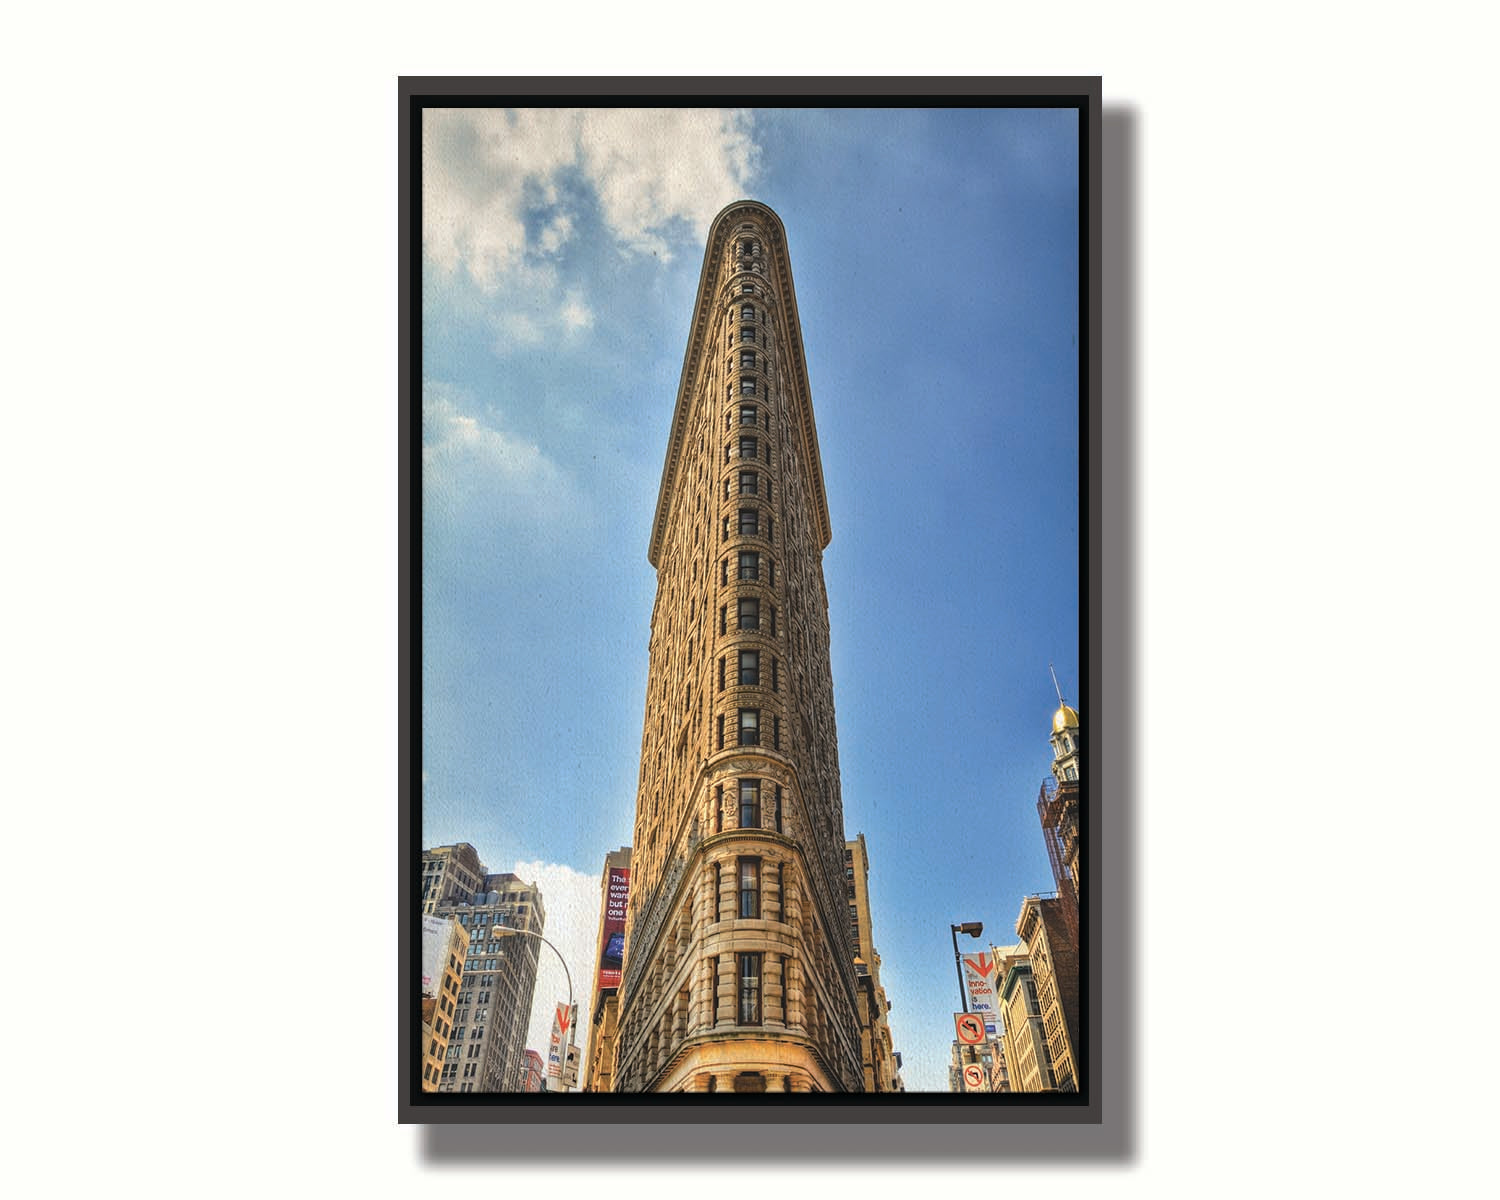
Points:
x=449 y=874
x=486 y=1052
x=739 y=970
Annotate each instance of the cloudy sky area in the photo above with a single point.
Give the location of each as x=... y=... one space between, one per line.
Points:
x=934 y=255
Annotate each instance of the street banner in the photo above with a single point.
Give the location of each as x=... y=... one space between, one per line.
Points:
x=979 y=979
x=612 y=950
x=557 y=1048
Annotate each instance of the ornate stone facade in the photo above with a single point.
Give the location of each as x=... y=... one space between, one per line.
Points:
x=739 y=970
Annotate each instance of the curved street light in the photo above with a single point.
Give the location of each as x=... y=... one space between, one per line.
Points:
x=973 y=929
x=506 y=930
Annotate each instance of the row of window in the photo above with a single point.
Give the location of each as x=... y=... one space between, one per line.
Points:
x=749 y=989
x=748 y=904
x=749 y=415
x=749 y=808
x=747 y=611
x=748 y=568
x=749 y=448
x=749 y=485
x=747 y=388
x=749 y=729
x=749 y=670
x=750 y=525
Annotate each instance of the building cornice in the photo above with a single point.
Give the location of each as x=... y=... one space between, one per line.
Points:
x=794 y=377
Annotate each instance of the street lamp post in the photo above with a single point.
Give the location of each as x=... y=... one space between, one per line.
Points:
x=505 y=930
x=973 y=929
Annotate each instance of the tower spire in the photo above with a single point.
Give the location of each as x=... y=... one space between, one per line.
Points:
x=1053 y=673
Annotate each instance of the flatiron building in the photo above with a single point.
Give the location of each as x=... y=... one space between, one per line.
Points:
x=739 y=964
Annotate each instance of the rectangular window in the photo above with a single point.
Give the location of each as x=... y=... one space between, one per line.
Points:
x=749 y=447
x=773 y=572
x=747 y=313
x=723 y=627
x=749 y=522
x=724 y=573
x=719 y=809
x=778 y=808
x=721 y=674
x=726 y=452
x=773 y=620
x=749 y=889
x=775 y=733
x=749 y=483
x=776 y=675
x=721 y=732
x=747 y=360
x=747 y=414
x=770 y=527
x=750 y=667
x=714 y=903
x=749 y=565
x=749 y=804
x=749 y=727
x=749 y=989
x=747 y=335
x=750 y=613
x=747 y=387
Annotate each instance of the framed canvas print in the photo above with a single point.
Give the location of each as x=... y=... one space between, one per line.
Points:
x=747 y=601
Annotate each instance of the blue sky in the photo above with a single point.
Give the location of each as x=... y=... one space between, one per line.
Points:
x=934 y=254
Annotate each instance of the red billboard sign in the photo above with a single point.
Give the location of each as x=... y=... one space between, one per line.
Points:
x=612 y=948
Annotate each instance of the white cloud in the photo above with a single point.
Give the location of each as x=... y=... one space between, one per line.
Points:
x=575 y=313
x=657 y=174
x=466 y=457
x=557 y=231
x=651 y=167
x=571 y=901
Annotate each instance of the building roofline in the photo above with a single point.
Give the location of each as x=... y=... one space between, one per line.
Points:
x=799 y=395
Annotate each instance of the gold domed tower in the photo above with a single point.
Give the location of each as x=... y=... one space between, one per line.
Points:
x=739 y=973
x=1065 y=734
x=1058 y=804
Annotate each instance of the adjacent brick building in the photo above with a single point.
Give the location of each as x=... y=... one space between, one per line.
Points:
x=882 y=1064
x=444 y=945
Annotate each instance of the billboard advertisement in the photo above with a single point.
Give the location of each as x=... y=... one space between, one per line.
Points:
x=434 y=950
x=612 y=949
x=979 y=980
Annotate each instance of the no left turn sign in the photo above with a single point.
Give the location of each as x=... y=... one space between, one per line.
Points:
x=970 y=1027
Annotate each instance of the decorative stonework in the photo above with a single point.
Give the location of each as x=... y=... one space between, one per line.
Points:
x=737 y=961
